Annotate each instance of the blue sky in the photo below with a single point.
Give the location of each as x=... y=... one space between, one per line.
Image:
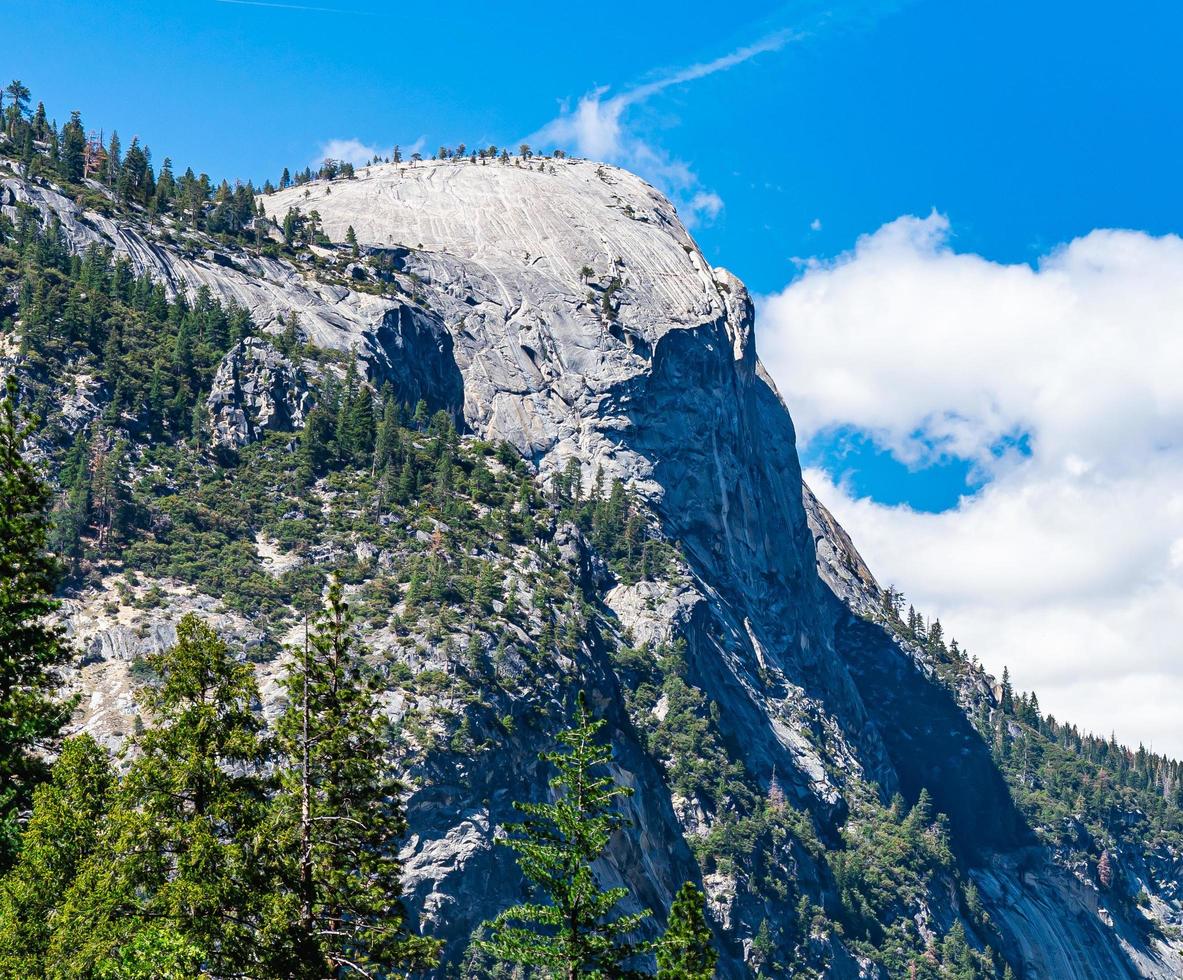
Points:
x=1026 y=123
x=960 y=219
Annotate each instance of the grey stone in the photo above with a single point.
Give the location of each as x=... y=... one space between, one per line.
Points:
x=256 y=388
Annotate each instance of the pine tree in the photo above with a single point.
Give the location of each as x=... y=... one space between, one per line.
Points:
x=419 y=419
x=351 y=241
x=180 y=864
x=73 y=149
x=31 y=651
x=1104 y=870
x=387 y=438
x=578 y=931
x=315 y=442
x=686 y=952
x=113 y=160
x=488 y=587
x=109 y=490
x=166 y=187
x=71 y=517
x=18 y=99
x=1006 y=700
x=337 y=818
x=920 y=816
x=61 y=834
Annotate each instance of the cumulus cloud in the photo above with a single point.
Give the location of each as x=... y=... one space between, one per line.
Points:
x=1068 y=564
x=596 y=127
x=348 y=150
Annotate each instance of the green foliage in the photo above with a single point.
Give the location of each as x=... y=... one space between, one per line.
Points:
x=686 y=951
x=61 y=834
x=180 y=861
x=31 y=651
x=577 y=931
x=155 y=356
x=615 y=524
x=337 y=818
x=155 y=952
x=893 y=859
x=1063 y=780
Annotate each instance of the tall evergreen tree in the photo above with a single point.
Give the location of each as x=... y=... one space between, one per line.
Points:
x=31 y=651
x=578 y=930
x=61 y=835
x=73 y=153
x=338 y=817
x=315 y=441
x=181 y=863
x=114 y=160
x=1006 y=698
x=386 y=441
x=686 y=951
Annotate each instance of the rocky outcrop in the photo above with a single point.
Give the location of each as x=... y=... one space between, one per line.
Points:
x=255 y=388
x=1055 y=924
x=643 y=371
x=839 y=564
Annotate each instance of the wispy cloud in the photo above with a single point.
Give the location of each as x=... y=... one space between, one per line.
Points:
x=359 y=153
x=349 y=150
x=596 y=128
x=773 y=42
x=295 y=6
x=598 y=124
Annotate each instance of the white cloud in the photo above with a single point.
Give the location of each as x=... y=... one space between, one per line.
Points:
x=596 y=127
x=815 y=224
x=1067 y=566
x=350 y=151
x=706 y=204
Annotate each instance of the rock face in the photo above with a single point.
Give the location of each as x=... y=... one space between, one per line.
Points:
x=644 y=369
x=255 y=388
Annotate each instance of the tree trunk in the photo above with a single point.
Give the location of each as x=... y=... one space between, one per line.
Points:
x=306 y=883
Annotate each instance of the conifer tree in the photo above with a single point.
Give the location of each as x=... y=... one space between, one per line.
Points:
x=577 y=931
x=387 y=438
x=180 y=863
x=31 y=651
x=315 y=449
x=1104 y=870
x=18 y=99
x=72 y=515
x=113 y=160
x=61 y=834
x=73 y=149
x=1006 y=700
x=686 y=952
x=166 y=187
x=337 y=818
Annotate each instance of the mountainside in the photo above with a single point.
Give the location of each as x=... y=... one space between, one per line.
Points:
x=520 y=414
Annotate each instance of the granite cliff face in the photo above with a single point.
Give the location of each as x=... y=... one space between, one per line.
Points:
x=563 y=308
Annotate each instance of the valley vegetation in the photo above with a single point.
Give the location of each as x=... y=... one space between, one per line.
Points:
x=432 y=566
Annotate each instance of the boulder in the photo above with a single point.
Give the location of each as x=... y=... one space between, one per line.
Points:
x=256 y=388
